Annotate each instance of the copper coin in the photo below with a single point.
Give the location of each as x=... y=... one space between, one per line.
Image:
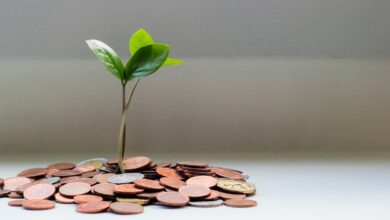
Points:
x=213 y=195
x=103 y=178
x=38 y=204
x=148 y=195
x=168 y=172
x=136 y=163
x=206 y=203
x=33 y=172
x=66 y=173
x=49 y=172
x=126 y=208
x=39 y=191
x=226 y=196
x=69 y=179
x=13 y=183
x=88 y=181
x=172 y=183
x=51 y=180
x=4 y=192
x=148 y=184
x=17 y=202
x=85 y=169
x=193 y=164
x=62 y=199
x=206 y=181
x=93 y=207
x=90 y=174
x=1 y=182
x=128 y=189
x=164 y=164
x=105 y=189
x=172 y=199
x=87 y=198
x=23 y=187
x=62 y=166
x=195 y=191
x=15 y=195
x=227 y=173
x=240 y=203
x=74 y=189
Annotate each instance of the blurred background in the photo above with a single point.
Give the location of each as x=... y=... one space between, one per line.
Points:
x=260 y=76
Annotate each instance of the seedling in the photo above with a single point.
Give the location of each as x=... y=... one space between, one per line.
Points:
x=146 y=58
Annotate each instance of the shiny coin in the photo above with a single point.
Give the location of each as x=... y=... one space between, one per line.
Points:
x=236 y=186
x=214 y=195
x=127 y=189
x=49 y=172
x=228 y=173
x=97 y=162
x=23 y=187
x=126 y=208
x=195 y=191
x=90 y=174
x=50 y=180
x=39 y=191
x=13 y=183
x=136 y=163
x=62 y=166
x=240 y=203
x=33 y=172
x=226 y=196
x=125 y=178
x=148 y=184
x=103 y=178
x=4 y=192
x=168 y=172
x=206 y=203
x=38 y=204
x=87 y=198
x=206 y=181
x=172 y=183
x=133 y=200
x=192 y=164
x=148 y=195
x=105 y=189
x=93 y=207
x=66 y=173
x=89 y=181
x=16 y=202
x=172 y=199
x=74 y=189
x=85 y=169
x=62 y=199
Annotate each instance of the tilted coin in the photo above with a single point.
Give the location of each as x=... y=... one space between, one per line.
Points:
x=214 y=195
x=13 y=183
x=23 y=187
x=33 y=172
x=172 y=182
x=136 y=163
x=226 y=196
x=228 y=173
x=125 y=208
x=168 y=172
x=16 y=202
x=90 y=174
x=148 y=195
x=97 y=162
x=240 y=203
x=66 y=173
x=236 y=186
x=125 y=178
x=206 y=181
x=174 y=199
x=148 y=184
x=62 y=166
x=192 y=164
x=103 y=177
x=62 y=199
x=127 y=189
x=87 y=198
x=93 y=207
x=85 y=168
x=39 y=191
x=89 y=181
x=107 y=169
x=195 y=191
x=15 y=195
x=50 y=180
x=206 y=203
x=49 y=172
x=105 y=189
x=38 y=204
x=74 y=189
x=133 y=200
x=4 y=192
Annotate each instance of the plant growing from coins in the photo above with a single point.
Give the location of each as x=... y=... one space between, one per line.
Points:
x=146 y=58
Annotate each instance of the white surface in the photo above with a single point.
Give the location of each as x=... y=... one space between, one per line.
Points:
x=294 y=189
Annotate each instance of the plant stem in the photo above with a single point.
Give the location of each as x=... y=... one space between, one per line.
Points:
x=121 y=146
x=123 y=110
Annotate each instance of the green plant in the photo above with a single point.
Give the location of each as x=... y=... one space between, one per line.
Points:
x=146 y=58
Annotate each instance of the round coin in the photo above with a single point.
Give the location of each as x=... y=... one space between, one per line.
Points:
x=23 y=187
x=50 y=180
x=125 y=178
x=85 y=169
x=62 y=199
x=136 y=163
x=240 y=203
x=172 y=183
x=206 y=181
x=148 y=184
x=62 y=166
x=236 y=186
x=88 y=181
x=227 y=173
x=226 y=196
x=133 y=200
x=103 y=177
x=87 y=198
x=126 y=208
x=16 y=202
x=195 y=191
x=149 y=195
x=38 y=204
x=174 y=199
x=14 y=195
x=33 y=172
x=127 y=189
x=93 y=207
x=97 y=162
x=105 y=189
x=193 y=164
x=213 y=195
x=206 y=203
x=74 y=189
x=13 y=183
x=66 y=173
x=39 y=191
x=168 y=172
x=90 y=174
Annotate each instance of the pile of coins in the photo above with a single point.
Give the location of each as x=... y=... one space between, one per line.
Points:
x=95 y=186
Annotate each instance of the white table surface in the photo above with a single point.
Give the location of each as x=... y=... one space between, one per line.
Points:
x=289 y=187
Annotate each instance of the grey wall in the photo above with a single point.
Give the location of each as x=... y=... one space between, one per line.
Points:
x=260 y=75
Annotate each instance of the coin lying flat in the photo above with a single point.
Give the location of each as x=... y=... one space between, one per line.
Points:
x=193 y=164
x=23 y=187
x=136 y=163
x=93 y=207
x=195 y=191
x=62 y=166
x=214 y=195
x=97 y=162
x=85 y=168
x=38 y=204
x=39 y=191
x=50 y=180
x=236 y=186
x=172 y=183
x=15 y=195
x=90 y=174
x=148 y=195
x=226 y=196
x=87 y=198
x=125 y=178
x=66 y=173
x=127 y=189
x=148 y=184
x=89 y=181
x=33 y=172
x=228 y=173
x=138 y=201
x=174 y=199
x=206 y=203
x=103 y=177
x=126 y=208
x=105 y=189
x=207 y=181
x=168 y=172
x=240 y=203
x=62 y=199
x=16 y=202
x=74 y=189
x=13 y=183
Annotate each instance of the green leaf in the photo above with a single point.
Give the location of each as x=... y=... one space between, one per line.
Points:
x=146 y=60
x=108 y=57
x=139 y=39
x=173 y=62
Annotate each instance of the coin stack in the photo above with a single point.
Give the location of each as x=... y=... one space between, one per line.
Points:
x=95 y=186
